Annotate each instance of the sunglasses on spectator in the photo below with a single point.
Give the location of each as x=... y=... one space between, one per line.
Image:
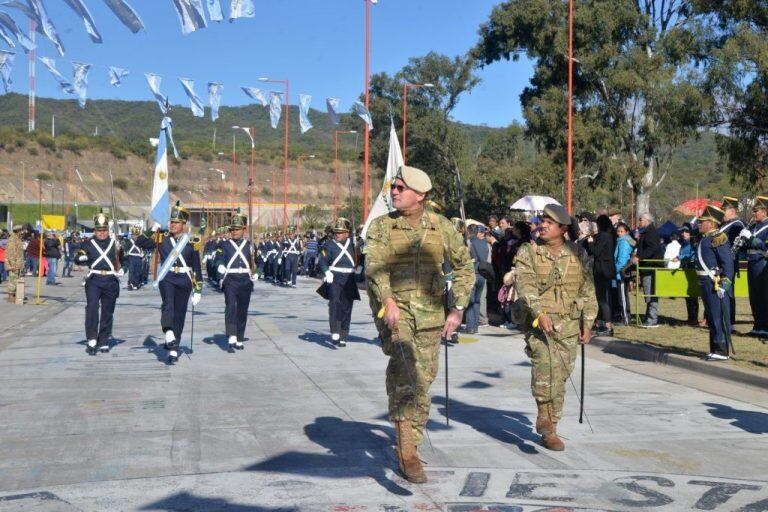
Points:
x=399 y=188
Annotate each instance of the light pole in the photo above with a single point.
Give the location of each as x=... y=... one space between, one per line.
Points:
x=367 y=146
x=233 y=181
x=286 y=83
x=23 y=172
x=407 y=86
x=250 y=132
x=9 y=220
x=570 y=107
x=223 y=200
x=298 y=191
x=336 y=170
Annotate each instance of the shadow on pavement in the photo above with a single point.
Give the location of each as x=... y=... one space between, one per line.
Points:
x=476 y=384
x=754 y=422
x=509 y=427
x=319 y=339
x=490 y=375
x=185 y=501
x=355 y=450
x=159 y=350
x=220 y=340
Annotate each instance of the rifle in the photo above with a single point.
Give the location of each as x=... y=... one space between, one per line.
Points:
x=114 y=221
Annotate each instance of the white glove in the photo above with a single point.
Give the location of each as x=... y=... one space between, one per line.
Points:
x=328 y=277
x=82 y=258
x=745 y=233
x=155 y=227
x=449 y=285
x=120 y=273
x=255 y=277
x=221 y=269
x=279 y=261
x=359 y=270
x=196 y=299
x=720 y=293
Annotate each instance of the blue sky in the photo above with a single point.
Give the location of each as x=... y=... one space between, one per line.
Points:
x=318 y=45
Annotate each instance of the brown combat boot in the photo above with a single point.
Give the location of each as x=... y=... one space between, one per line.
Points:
x=548 y=428
x=407 y=456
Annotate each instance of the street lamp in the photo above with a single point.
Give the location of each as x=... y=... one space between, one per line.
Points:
x=250 y=132
x=336 y=171
x=407 y=86
x=223 y=201
x=286 y=83
x=367 y=146
x=298 y=191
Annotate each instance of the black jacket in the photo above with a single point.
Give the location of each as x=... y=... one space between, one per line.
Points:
x=602 y=251
x=649 y=246
x=51 y=248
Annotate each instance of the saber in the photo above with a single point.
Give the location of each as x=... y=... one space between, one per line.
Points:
x=581 y=401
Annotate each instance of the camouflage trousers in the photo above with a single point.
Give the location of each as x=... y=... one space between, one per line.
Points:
x=552 y=361
x=14 y=276
x=414 y=357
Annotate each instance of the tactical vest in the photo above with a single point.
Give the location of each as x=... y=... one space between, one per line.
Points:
x=559 y=281
x=415 y=265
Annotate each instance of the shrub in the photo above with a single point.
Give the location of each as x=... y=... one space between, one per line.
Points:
x=33 y=151
x=118 y=153
x=121 y=183
x=46 y=141
x=44 y=176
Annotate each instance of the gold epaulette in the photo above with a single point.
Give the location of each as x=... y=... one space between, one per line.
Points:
x=719 y=239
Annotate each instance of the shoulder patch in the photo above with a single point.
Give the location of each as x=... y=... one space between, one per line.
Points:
x=719 y=239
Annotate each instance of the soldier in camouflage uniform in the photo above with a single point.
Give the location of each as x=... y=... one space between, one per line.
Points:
x=404 y=252
x=14 y=261
x=557 y=298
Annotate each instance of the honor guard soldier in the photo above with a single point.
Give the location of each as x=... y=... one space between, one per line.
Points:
x=732 y=226
x=754 y=241
x=134 y=256
x=235 y=266
x=102 y=284
x=557 y=305
x=337 y=262
x=404 y=253
x=292 y=248
x=183 y=279
x=209 y=254
x=271 y=266
x=714 y=266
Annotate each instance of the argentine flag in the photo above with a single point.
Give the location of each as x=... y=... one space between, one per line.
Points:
x=160 y=204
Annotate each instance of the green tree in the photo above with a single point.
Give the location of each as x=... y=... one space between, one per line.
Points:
x=637 y=93
x=737 y=68
x=434 y=143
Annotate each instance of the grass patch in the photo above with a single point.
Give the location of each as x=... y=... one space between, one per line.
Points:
x=30 y=213
x=675 y=335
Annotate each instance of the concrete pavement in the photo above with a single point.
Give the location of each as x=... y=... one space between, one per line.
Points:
x=292 y=423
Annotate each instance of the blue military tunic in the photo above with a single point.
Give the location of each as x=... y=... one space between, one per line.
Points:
x=714 y=265
x=135 y=258
x=102 y=287
x=291 y=251
x=236 y=256
x=757 y=274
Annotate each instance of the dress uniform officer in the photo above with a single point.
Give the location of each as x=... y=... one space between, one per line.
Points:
x=292 y=248
x=337 y=262
x=102 y=284
x=134 y=256
x=714 y=266
x=754 y=242
x=271 y=258
x=235 y=266
x=732 y=226
x=405 y=251
x=209 y=254
x=184 y=278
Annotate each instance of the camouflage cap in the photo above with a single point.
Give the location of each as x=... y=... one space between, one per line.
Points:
x=415 y=179
x=557 y=213
x=712 y=213
x=730 y=202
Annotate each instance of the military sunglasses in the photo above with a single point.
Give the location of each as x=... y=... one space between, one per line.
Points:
x=399 y=188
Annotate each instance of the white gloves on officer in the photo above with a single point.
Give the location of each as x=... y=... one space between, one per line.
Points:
x=279 y=261
x=155 y=227
x=82 y=258
x=196 y=299
x=359 y=270
x=254 y=277
x=745 y=233
x=221 y=269
x=328 y=277
x=720 y=293
x=120 y=273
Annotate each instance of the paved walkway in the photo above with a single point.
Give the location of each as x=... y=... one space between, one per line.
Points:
x=292 y=423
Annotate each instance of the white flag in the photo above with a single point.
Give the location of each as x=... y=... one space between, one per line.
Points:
x=116 y=76
x=80 y=79
x=214 y=98
x=383 y=203
x=332 y=104
x=304 y=101
x=256 y=94
x=359 y=109
x=275 y=108
x=241 y=9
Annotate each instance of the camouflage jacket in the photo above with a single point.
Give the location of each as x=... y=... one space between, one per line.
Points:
x=560 y=286
x=14 y=253
x=406 y=264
